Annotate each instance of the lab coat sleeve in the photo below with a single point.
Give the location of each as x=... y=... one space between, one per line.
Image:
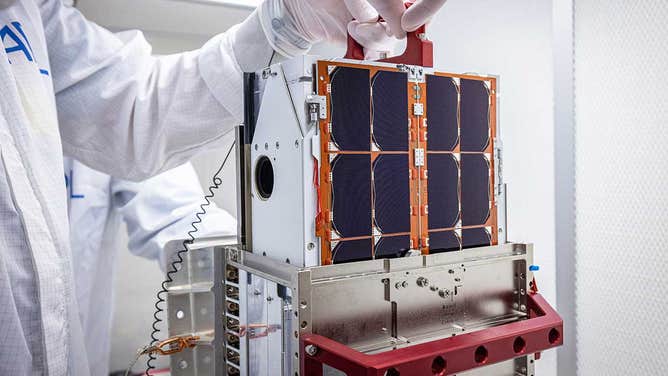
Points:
x=163 y=207
x=127 y=113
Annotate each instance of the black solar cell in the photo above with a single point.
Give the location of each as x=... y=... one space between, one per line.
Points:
x=475 y=189
x=392 y=246
x=443 y=190
x=350 y=109
x=390 y=110
x=352 y=250
x=443 y=241
x=442 y=105
x=474 y=115
x=351 y=195
x=475 y=237
x=391 y=193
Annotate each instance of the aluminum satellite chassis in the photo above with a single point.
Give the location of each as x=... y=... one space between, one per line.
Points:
x=269 y=307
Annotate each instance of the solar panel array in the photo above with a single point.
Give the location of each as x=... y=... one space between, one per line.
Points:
x=370 y=182
x=369 y=165
x=458 y=162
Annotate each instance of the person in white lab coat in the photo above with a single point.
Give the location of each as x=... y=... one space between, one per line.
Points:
x=154 y=211
x=69 y=86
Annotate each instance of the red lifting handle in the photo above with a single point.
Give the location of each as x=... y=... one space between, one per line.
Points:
x=419 y=50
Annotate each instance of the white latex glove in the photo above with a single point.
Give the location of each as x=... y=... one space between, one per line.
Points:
x=292 y=26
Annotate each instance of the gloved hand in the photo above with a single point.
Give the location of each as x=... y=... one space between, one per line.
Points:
x=292 y=26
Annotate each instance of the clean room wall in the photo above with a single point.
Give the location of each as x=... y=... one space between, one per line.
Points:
x=620 y=58
x=513 y=39
x=170 y=26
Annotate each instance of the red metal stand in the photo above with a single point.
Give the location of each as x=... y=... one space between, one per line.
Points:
x=541 y=331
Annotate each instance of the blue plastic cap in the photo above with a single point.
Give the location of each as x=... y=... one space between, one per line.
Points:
x=534 y=268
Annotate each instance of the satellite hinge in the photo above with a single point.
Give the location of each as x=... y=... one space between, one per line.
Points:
x=498 y=166
x=317 y=107
x=419 y=157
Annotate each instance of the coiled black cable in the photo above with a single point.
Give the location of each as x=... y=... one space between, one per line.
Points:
x=216 y=181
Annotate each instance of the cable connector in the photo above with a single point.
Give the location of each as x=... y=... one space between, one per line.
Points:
x=171 y=345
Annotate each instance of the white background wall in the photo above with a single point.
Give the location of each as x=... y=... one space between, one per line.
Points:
x=509 y=39
x=621 y=174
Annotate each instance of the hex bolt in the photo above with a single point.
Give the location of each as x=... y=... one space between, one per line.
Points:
x=523 y=308
x=311 y=350
x=422 y=282
x=444 y=293
x=397 y=285
x=404 y=284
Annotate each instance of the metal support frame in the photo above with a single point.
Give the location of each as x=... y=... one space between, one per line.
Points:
x=540 y=332
x=532 y=327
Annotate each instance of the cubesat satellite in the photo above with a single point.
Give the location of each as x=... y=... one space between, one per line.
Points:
x=372 y=229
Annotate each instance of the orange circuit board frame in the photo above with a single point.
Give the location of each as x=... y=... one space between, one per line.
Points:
x=417 y=128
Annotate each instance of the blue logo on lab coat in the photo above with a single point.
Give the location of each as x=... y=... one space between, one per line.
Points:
x=69 y=184
x=16 y=41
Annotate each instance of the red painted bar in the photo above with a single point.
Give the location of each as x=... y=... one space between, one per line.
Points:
x=541 y=331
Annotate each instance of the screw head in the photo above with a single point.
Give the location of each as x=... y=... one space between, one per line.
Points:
x=311 y=350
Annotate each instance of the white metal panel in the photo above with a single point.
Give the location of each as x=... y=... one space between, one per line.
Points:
x=621 y=175
x=278 y=222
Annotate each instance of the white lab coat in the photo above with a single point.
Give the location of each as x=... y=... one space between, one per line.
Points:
x=67 y=85
x=154 y=211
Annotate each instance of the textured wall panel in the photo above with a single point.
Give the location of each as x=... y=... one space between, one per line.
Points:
x=621 y=116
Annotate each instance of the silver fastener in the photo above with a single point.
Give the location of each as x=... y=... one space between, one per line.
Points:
x=311 y=350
